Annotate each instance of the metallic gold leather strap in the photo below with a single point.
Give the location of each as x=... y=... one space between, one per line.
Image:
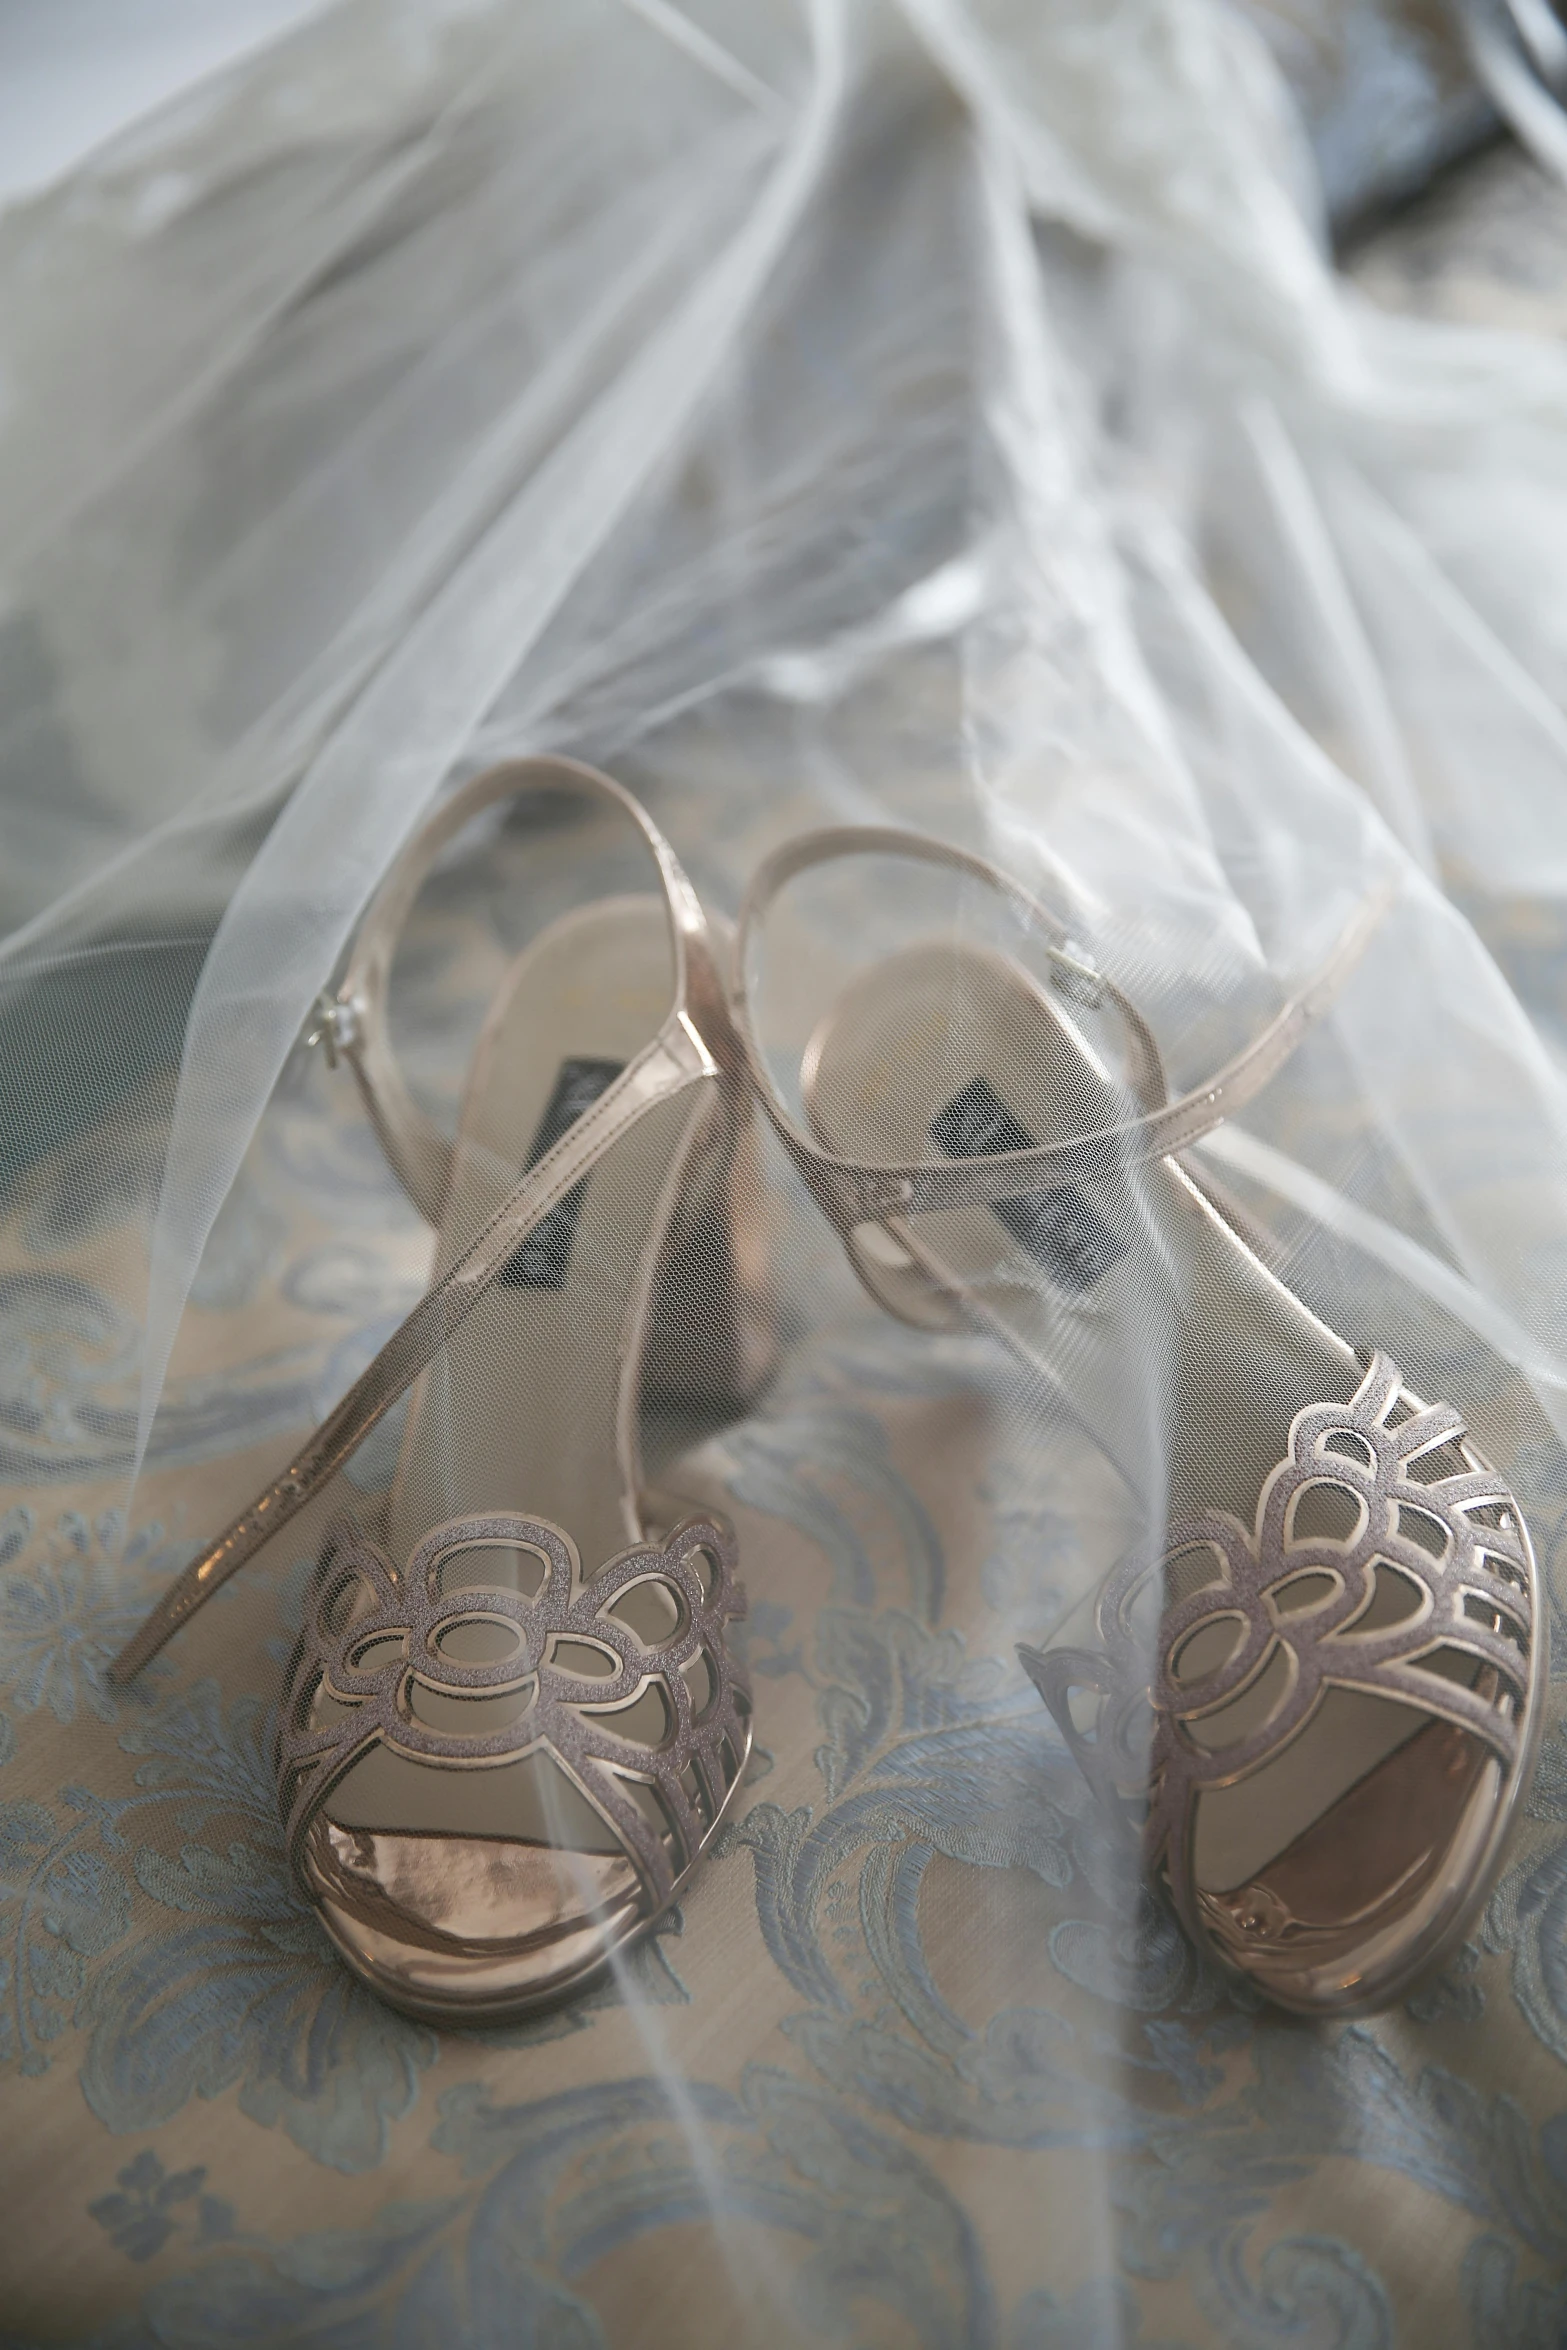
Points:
x=355 y=1022
x=852 y=1192
x=696 y=1042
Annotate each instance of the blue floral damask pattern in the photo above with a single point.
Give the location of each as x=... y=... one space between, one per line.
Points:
x=261 y=2153
x=926 y=1752
x=555 y=2186
x=143 y=2210
x=236 y=1987
x=62 y=1621
x=240 y=1989
x=153 y=1941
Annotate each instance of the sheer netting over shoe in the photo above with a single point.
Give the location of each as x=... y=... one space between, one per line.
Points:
x=513 y=1721
x=947 y=414
x=1318 y=1695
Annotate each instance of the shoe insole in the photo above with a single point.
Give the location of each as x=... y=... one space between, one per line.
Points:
x=1169 y=1341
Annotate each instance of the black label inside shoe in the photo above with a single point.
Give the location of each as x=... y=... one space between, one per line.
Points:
x=541 y=1261
x=1059 y=1228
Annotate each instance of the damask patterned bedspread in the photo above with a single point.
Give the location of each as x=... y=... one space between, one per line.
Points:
x=899 y=2071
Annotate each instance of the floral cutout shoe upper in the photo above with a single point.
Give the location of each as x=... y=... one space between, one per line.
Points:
x=1426 y=1597
x=435 y=1669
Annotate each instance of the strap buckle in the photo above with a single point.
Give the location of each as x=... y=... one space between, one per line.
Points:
x=1075 y=975
x=337 y=1023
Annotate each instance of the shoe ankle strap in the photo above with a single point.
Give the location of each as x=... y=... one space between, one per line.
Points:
x=353 y=1021
x=853 y=1192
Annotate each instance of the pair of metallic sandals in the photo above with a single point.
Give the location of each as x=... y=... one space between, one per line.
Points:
x=510 y=1730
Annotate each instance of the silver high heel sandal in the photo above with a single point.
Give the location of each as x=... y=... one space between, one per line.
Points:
x=1316 y=1700
x=498 y=1764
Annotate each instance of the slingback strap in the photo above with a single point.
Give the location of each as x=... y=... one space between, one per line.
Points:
x=353 y=1023
x=853 y=1192
x=696 y=1043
